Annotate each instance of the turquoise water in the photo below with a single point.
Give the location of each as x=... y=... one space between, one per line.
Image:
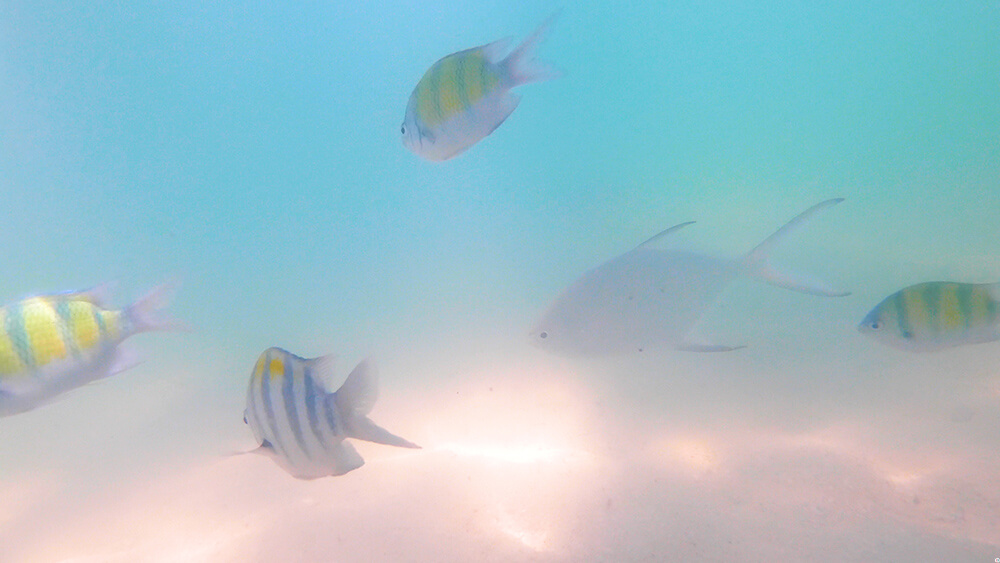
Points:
x=252 y=151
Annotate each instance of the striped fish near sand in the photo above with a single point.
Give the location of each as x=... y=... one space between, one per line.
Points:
x=301 y=424
x=932 y=316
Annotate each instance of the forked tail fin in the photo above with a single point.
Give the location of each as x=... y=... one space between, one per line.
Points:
x=520 y=63
x=757 y=264
x=355 y=399
x=148 y=312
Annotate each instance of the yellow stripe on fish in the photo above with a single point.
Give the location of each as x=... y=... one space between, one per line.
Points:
x=52 y=343
x=465 y=96
x=934 y=315
x=38 y=331
x=10 y=359
x=453 y=85
x=42 y=326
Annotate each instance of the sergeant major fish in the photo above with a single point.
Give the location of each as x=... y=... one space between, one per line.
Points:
x=50 y=344
x=935 y=315
x=302 y=425
x=464 y=96
x=652 y=298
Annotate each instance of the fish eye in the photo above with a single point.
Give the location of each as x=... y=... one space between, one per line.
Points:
x=402 y=129
x=543 y=334
x=875 y=325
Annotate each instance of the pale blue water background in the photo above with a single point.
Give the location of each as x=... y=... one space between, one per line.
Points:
x=252 y=150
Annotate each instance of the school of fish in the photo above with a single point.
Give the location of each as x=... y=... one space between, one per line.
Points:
x=644 y=299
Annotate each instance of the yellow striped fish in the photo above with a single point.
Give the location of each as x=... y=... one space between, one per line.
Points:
x=302 y=425
x=50 y=344
x=463 y=97
x=934 y=315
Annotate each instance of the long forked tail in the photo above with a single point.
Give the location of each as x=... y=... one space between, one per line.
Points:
x=148 y=312
x=521 y=65
x=757 y=264
x=355 y=399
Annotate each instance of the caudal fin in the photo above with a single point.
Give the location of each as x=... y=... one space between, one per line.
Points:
x=757 y=264
x=355 y=399
x=520 y=63
x=147 y=313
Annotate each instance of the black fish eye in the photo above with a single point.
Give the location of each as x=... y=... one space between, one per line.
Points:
x=543 y=335
x=875 y=325
x=402 y=129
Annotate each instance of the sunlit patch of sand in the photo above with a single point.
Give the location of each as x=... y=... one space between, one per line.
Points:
x=18 y=494
x=696 y=456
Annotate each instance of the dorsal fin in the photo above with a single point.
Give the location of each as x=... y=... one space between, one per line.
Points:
x=322 y=370
x=662 y=234
x=357 y=396
x=494 y=52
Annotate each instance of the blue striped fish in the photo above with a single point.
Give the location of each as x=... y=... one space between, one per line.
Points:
x=935 y=315
x=50 y=344
x=302 y=425
x=463 y=97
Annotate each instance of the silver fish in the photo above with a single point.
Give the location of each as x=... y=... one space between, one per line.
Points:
x=651 y=298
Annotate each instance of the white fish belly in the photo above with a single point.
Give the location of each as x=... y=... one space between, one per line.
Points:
x=455 y=135
x=24 y=393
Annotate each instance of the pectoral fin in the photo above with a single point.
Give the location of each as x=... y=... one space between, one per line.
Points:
x=692 y=347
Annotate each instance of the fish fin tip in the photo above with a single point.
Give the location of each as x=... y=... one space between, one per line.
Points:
x=323 y=369
x=125 y=357
x=797 y=281
x=757 y=262
x=707 y=348
x=494 y=52
x=358 y=394
x=100 y=294
x=147 y=312
x=345 y=459
x=521 y=66
x=363 y=428
x=663 y=234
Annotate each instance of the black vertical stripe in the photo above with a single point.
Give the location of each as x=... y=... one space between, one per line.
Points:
x=291 y=408
x=312 y=397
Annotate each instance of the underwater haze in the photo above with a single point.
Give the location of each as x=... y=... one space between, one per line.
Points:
x=252 y=152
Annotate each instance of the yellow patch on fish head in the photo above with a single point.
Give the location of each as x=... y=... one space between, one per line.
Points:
x=276 y=367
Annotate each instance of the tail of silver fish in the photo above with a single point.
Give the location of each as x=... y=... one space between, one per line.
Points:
x=756 y=261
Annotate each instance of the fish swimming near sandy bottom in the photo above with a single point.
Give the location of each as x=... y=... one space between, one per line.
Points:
x=466 y=95
x=50 y=344
x=931 y=316
x=650 y=298
x=302 y=425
